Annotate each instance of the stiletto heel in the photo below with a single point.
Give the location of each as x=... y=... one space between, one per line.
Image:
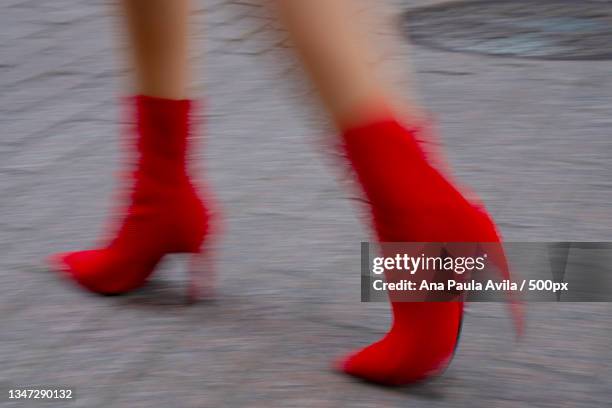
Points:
x=202 y=275
x=497 y=257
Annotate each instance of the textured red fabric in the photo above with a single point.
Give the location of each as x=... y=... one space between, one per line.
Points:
x=410 y=201
x=163 y=213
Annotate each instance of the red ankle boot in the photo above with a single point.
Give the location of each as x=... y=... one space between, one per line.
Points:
x=411 y=201
x=164 y=214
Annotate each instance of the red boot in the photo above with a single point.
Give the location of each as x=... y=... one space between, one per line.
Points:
x=164 y=215
x=411 y=201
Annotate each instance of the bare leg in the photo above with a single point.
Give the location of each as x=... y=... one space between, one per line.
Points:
x=158 y=43
x=338 y=58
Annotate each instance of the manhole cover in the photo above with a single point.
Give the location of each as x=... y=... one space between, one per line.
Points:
x=545 y=29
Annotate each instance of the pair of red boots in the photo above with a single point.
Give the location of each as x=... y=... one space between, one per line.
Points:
x=410 y=201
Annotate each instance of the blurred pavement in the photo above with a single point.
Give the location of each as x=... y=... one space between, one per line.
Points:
x=533 y=138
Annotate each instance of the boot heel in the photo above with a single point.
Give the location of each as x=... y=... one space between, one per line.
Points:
x=202 y=275
x=497 y=256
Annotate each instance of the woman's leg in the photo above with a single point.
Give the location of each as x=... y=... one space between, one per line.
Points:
x=157 y=31
x=163 y=213
x=338 y=56
x=410 y=200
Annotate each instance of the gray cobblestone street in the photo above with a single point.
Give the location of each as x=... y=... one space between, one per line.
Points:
x=531 y=137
